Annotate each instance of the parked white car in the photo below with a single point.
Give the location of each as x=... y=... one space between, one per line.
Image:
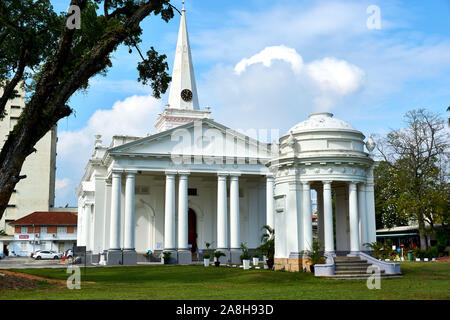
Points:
x=46 y=254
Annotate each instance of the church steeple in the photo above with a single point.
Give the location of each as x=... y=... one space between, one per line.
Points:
x=183 y=91
x=183 y=106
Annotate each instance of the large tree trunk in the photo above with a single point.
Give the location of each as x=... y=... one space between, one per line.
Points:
x=422 y=235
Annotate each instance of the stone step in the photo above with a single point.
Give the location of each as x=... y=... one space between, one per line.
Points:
x=360 y=276
x=350 y=261
x=357 y=263
x=344 y=272
x=338 y=259
x=357 y=267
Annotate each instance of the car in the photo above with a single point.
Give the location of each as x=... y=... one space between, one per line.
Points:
x=33 y=253
x=47 y=254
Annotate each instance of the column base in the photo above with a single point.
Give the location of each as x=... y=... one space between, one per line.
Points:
x=184 y=256
x=129 y=257
x=353 y=254
x=114 y=257
x=295 y=263
x=226 y=258
x=330 y=253
x=235 y=255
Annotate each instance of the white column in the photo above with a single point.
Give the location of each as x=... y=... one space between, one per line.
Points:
x=353 y=218
x=235 y=239
x=269 y=202
x=320 y=224
x=328 y=218
x=362 y=210
x=183 y=212
x=129 y=211
x=86 y=226
x=307 y=217
x=370 y=211
x=222 y=211
x=116 y=190
x=91 y=245
x=169 y=214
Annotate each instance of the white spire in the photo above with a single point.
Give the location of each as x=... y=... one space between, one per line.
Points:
x=183 y=79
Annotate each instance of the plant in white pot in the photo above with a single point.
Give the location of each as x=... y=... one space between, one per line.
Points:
x=255 y=259
x=217 y=255
x=245 y=257
x=207 y=255
x=206 y=258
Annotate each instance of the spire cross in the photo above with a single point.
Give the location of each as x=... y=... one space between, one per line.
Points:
x=183 y=5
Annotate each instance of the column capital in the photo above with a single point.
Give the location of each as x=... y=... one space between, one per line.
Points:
x=353 y=184
x=222 y=174
x=234 y=174
x=170 y=173
x=116 y=173
x=306 y=183
x=130 y=174
x=270 y=176
x=184 y=173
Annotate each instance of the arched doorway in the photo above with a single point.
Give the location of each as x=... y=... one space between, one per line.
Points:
x=192 y=230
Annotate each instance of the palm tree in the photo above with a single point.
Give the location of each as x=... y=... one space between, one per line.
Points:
x=267 y=247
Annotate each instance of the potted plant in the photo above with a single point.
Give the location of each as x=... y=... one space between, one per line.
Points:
x=255 y=259
x=245 y=257
x=314 y=254
x=166 y=256
x=268 y=245
x=207 y=255
x=217 y=255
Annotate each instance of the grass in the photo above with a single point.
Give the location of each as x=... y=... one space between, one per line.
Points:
x=421 y=280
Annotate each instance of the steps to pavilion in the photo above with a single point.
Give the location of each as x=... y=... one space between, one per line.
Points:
x=355 y=268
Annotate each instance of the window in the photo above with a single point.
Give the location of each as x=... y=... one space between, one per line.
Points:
x=15 y=107
x=14 y=118
x=17 y=229
x=192 y=192
x=43 y=229
x=23 y=246
x=51 y=229
x=62 y=229
x=11 y=206
x=24 y=230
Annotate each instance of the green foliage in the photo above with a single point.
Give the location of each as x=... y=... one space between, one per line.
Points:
x=245 y=255
x=207 y=256
x=2 y=233
x=382 y=250
x=153 y=69
x=314 y=254
x=411 y=184
x=442 y=239
x=267 y=247
x=166 y=255
x=218 y=254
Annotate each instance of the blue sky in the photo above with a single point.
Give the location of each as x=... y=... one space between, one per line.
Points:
x=367 y=77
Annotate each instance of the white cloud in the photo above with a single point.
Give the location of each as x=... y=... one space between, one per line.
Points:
x=61 y=183
x=133 y=116
x=268 y=54
x=323 y=81
x=334 y=75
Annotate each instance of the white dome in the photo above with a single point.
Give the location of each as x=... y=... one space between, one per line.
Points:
x=322 y=121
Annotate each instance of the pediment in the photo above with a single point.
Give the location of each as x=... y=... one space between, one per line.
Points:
x=203 y=137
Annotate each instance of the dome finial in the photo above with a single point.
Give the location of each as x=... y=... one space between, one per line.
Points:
x=183 y=6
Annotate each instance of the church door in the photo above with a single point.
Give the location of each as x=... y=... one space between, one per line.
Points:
x=192 y=234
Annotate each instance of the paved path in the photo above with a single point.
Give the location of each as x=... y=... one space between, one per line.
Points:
x=27 y=262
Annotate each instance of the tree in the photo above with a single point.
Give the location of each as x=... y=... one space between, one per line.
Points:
x=413 y=179
x=39 y=50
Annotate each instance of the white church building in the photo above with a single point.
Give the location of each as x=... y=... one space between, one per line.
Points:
x=197 y=181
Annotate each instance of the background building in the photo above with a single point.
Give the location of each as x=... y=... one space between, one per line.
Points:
x=42 y=230
x=37 y=191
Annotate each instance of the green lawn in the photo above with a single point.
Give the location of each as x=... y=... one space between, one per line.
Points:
x=421 y=280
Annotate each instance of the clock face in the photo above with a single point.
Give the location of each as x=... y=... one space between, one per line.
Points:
x=186 y=95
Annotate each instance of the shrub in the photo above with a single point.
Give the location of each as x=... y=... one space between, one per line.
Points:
x=245 y=255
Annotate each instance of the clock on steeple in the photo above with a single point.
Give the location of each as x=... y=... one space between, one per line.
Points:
x=186 y=95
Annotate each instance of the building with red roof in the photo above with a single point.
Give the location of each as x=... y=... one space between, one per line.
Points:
x=43 y=230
